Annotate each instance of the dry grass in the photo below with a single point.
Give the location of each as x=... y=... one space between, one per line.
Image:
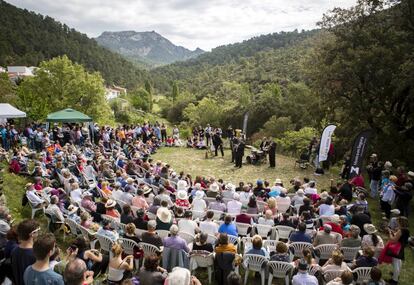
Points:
x=194 y=162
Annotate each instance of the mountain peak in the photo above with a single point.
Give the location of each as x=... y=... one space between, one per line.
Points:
x=149 y=47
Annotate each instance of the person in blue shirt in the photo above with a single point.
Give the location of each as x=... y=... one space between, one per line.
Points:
x=228 y=227
x=300 y=235
x=257 y=247
x=40 y=273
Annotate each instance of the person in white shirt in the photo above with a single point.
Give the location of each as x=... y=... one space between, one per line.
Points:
x=199 y=204
x=245 y=195
x=303 y=277
x=282 y=202
x=229 y=191
x=311 y=189
x=327 y=209
x=117 y=192
x=32 y=196
x=208 y=226
x=298 y=198
x=54 y=210
x=76 y=193
x=187 y=224
x=89 y=171
x=234 y=206
x=163 y=196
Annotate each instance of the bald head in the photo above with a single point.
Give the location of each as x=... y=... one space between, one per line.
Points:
x=74 y=272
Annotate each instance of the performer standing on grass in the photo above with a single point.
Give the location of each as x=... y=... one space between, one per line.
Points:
x=217 y=143
x=271 y=149
x=239 y=153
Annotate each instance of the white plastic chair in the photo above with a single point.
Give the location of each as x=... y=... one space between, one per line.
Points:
x=325 y=251
x=350 y=253
x=283 y=207
x=34 y=209
x=279 y=269
x=151 y=216
x=270 y=244
x=261 y=205
x=198 y=214
x=263 y=230
x=217 y=214
x=330 y=275
x=209 y=200
x=313 y=269
x=204 y=261
x=89 y=235
x=149 y=249
x=283 y=232
x=363 y=274
x=242 y=228
x=139 y=232
x=233 y=239
x=106 y=243
x=298 y=248
x=128 y=245
x=211 y=239
x=247 y=243
x=162 y=233
x=72 y=226
x=254 y=262
x=189 y=238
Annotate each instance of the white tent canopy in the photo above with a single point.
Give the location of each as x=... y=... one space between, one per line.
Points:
x=7 y=111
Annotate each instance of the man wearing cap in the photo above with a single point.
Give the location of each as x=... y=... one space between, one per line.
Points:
x=374 y=171
x=303 y=277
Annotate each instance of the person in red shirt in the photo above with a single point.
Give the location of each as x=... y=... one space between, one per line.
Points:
x=358 y=181
x=334 y=223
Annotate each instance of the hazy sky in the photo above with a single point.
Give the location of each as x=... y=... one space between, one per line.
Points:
x=190 y=23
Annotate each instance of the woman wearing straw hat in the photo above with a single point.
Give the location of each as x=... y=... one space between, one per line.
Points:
x=182 y=199
x=164 y=219
x=372 y=238
x=110 y=209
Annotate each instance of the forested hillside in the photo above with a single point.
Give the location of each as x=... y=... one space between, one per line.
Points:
x=249 y=60
x=27 y=38
x=356 y=72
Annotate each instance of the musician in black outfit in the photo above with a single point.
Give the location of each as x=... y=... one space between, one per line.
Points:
x=218 y=143
x=271 y=150
x=239 y=153
x=233 y=145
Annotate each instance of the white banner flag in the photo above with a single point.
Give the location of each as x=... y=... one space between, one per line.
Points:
x=325 y=142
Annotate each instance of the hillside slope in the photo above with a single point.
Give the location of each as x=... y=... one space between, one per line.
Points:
x=27 y=38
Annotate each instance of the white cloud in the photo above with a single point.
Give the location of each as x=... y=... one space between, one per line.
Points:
x=190 y=23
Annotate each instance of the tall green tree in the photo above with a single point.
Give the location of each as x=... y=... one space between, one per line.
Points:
x=175 y=92
x=7 y=89
x=59 y=83
x=361 y=67
x=148 y=88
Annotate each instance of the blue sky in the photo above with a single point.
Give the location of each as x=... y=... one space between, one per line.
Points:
x=190 y=23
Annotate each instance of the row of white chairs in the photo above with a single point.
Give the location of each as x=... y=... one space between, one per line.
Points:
x=284 y=270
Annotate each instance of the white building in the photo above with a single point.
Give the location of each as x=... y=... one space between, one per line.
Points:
x=114 y=92
x=19 y=71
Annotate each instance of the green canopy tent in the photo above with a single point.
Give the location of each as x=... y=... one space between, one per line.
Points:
x=68 y=116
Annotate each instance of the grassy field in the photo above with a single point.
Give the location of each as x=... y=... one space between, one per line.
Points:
x=195 y=163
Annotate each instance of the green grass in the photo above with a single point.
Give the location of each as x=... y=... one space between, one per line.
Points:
x=194 y=162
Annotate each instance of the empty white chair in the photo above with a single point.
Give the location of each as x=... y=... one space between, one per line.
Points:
x=211 y=239
x=89 y=235
x=233 y=239
x=255 y=263
x=349 y=253
x=203 y=261
x=247 y=243
x=263 y=230
x=72 y=226
x=106 y=243
x=283 y=232
x=128 y=245
x=298 y=247
x=279 y=269
x=162 y=233
x=270 y=244
x=34 y=209
x=189 y=238
x=324 y=251
x=148 y=249
x=242 y=228
x=217 y=214
x=363 y=275
x=330 y=275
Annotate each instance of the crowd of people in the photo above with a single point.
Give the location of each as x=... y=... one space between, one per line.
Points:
x=109 y=187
